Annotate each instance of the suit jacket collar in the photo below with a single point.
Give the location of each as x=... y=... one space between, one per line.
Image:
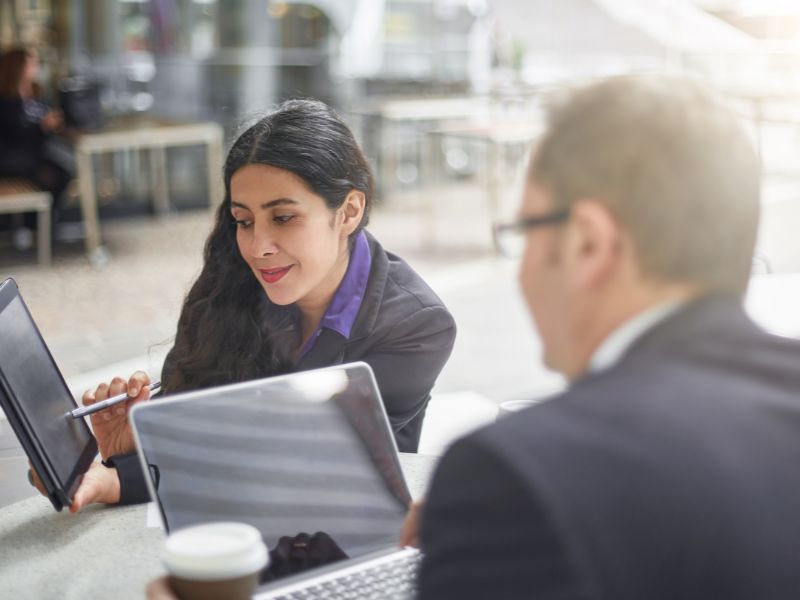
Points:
x=708 y=319
x=685 y=335
x=616 y=343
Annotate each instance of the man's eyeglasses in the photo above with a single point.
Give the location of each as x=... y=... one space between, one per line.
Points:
x=509 y=238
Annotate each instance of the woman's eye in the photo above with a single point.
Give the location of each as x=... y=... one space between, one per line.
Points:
x=242 y=223
x=280 y=219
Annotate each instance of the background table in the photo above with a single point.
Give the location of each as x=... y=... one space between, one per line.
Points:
x=101 y=552
x=142 y=134
x=498 y=136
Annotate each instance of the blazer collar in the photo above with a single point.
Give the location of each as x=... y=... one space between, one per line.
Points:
x=373 y=297
x=329 y=347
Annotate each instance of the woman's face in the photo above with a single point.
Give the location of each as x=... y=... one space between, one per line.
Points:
x=31 y=70
x=295 y=245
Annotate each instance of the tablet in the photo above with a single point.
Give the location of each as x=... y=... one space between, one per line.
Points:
x=37 y=402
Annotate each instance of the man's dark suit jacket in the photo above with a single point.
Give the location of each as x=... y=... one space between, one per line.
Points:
x=673 y=475
x=402 y=330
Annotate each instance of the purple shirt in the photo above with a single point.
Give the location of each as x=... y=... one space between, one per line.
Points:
x=341 y=312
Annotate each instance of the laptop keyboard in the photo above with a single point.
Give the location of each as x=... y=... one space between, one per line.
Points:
x=394 y=579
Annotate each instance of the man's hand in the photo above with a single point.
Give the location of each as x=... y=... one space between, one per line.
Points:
x=159 y=589
x=298 y=553
x=410 y=534
x=99 y=484
x=111 y=426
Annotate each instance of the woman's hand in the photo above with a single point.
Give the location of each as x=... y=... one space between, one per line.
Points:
x=52 y=121
x=99 y=484
x=410 y=534
x=111 y=426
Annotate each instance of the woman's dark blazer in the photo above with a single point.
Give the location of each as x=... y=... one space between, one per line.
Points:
x=402 y=330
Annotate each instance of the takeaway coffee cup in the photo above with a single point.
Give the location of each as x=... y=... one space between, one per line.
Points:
x=509 y=407
x=215 y=560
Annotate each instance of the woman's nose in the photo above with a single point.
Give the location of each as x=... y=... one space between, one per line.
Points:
x=264 y=244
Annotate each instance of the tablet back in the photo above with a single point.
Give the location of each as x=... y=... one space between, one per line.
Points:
x=37 y=402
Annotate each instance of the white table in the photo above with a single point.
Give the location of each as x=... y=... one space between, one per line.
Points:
x=100 y=552
x=497 y=135
x=772 y=301
x=143 y=134
x=384 y=119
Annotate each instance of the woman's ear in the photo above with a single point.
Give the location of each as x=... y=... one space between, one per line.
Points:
x=351 y=211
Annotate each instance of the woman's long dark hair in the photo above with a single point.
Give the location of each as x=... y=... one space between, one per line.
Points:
x=12 y=65
x=229 y=331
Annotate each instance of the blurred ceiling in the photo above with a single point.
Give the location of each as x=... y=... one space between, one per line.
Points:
x=629 y=26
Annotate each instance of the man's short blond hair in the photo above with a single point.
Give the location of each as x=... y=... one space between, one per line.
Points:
x=673 y=165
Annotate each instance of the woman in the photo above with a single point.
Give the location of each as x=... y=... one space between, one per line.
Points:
x=291 y=281
x=28 y=127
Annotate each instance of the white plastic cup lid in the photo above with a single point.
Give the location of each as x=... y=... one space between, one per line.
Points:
x=215 y=551
x=512 y=406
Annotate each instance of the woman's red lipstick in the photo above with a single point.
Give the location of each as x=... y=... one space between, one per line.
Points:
x=274 y=275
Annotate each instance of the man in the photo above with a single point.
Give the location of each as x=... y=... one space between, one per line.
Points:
x=669 y=468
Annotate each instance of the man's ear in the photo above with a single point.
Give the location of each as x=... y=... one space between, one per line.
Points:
x=351 y=211
x=594 y=244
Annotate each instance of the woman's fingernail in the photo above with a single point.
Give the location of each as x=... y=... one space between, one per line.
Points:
x=107 y=415
x=133 y=392
x=120 y=410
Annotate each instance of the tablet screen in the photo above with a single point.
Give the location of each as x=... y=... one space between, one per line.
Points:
x=36 y=383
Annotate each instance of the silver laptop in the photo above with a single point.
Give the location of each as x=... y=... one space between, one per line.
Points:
x=308 y=458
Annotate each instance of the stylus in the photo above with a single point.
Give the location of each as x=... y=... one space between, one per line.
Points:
x=103 y=404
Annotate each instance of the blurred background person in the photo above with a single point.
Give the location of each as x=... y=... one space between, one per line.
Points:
x=30 y=146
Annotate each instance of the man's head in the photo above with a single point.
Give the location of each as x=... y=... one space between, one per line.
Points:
x=662 y=188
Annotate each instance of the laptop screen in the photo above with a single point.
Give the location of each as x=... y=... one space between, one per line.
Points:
x=307 y=458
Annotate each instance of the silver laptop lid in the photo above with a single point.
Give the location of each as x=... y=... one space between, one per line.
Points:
x=309 y=453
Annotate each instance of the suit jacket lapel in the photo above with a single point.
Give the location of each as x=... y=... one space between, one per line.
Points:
x=328 y=349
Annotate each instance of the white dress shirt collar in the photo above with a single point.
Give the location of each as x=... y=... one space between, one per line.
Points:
x=610 y=351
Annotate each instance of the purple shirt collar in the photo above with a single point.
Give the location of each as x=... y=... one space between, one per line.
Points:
x=341 y=312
